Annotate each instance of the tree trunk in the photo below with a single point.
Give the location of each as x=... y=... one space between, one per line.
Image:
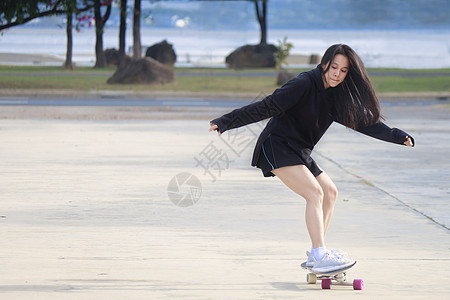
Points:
x=99 y=55
x=137 y=29
x=123 y=26
x=99 y=25
x=261 y=15
x=68 y=63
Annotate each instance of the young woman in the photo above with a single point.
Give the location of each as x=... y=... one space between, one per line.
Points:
x=338 y=90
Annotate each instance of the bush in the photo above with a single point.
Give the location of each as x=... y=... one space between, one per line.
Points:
x=282 y=52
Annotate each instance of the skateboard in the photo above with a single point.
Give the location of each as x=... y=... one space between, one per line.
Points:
x=339 y=276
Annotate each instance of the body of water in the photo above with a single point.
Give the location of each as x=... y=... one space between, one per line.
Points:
x=378 y=48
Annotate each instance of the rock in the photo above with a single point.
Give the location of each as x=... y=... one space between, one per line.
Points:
x=142 y=70
x=314 y=59
x=162 y=52
x=284 y=76
x=113 y=57
x=252 y=56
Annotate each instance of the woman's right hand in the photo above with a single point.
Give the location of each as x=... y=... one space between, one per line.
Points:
x=408 y=142
x=214 y=127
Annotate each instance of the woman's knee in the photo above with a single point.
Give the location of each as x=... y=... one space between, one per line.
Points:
x=299 y=179
x=330 y=193
x=315 y=195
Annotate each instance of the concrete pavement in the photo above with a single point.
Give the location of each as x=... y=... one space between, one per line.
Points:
x=86 y=213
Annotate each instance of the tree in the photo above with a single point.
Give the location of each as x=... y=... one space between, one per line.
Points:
x=68 y=65
x=18 y=12
x=71 y=8
x=261 y=15
x=137 y=29
x=283 y=50
x=100 y=22
x=123 y=26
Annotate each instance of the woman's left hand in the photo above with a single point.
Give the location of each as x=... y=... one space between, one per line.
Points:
x=214 y=127
x=408 y=142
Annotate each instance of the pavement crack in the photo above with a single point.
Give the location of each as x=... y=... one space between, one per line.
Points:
x=371 y=184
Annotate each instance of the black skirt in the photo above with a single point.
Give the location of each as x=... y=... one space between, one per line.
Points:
x=277 y=152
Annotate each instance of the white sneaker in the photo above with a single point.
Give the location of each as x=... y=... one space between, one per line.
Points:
x=310 y=261
x=331 y=263
x=339 y=253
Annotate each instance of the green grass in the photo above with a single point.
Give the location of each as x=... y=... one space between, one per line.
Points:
x=47 y=82
x=183 y=83
x=202 y=83
x=225 y=84
x=408 y=71
x=397 y=84
x=53 y=69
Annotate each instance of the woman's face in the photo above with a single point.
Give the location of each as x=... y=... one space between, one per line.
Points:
x=337 y=71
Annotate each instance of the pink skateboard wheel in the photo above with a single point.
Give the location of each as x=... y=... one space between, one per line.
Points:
x=358 y=284
x=326 y=283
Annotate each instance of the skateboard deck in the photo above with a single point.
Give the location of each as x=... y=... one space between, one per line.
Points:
x=339 y=276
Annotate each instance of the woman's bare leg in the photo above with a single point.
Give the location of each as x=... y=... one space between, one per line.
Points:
x=299 y=179
x=330 y=194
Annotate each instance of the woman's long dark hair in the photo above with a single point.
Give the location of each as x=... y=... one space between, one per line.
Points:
x=356 y=104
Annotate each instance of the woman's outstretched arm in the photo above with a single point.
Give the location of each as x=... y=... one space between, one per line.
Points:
x=383 y=132
x=273 y=105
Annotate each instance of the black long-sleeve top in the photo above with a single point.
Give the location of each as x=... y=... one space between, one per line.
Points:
x=302 y=110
